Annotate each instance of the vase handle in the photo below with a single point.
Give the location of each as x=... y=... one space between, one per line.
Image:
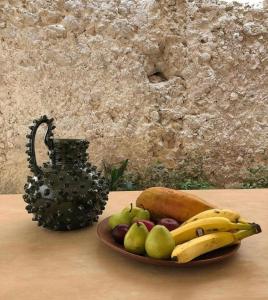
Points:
x=31 y=144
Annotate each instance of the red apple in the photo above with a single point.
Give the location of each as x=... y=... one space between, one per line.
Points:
x=119 y=232
x=169 y=223
x=147 y=223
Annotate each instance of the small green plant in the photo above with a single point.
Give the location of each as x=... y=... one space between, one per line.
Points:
x=184 y=177
x=258 y=178
x=114 y=173
x=179 y=178
x=195 y=185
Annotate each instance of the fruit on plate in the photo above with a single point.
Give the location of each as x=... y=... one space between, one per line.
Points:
x=163 y=202
x=119 y=232
x=143 y=214
x=186 y=252
x=132 y=210
x=137 y=213
x=200 y=227
x=148 y=224
x=242 y=220
x=233 y=216
x=187 y=226
x=159 y=243
x=135 y=238
x=128 y=216
x=169 y=223
x=120 y=218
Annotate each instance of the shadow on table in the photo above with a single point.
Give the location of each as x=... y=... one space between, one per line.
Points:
x=180 y=282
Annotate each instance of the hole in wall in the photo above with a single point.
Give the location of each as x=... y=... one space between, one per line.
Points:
x=156 y=77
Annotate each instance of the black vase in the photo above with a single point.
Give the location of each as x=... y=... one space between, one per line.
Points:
x=68 y=192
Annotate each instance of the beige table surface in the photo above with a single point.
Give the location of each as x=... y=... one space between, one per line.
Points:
x=36 y=263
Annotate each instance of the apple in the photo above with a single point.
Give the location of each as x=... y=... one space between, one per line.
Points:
x=119 y=232
x=169 y=223
x=147 y=223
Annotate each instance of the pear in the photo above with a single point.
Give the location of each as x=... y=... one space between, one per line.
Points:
x=133 y=211
x=137 y=213
x=143 y=214
x=159 y=243
x=120 y=218
x=135 y=238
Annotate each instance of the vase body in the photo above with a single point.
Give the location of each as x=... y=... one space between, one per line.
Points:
x=67 y=192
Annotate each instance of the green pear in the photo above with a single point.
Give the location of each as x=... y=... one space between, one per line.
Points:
x=143 y=214
x=135 y=238
x=132 y=210
x=159 y=243
x=119 y=218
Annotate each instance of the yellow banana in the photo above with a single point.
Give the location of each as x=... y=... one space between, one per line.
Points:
x=226 y=213
x=242 y=220
x=188 y=251
x=200 y=227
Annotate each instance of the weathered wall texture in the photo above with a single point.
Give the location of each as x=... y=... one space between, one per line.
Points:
x=146 y=80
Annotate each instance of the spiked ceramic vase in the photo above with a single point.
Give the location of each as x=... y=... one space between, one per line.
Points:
x=66 y=193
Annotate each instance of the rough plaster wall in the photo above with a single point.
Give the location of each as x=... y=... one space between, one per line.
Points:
x=146 y=80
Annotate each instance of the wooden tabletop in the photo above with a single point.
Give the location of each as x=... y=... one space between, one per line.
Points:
x=36 y=263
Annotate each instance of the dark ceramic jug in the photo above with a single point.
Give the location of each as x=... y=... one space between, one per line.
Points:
x=66 y=193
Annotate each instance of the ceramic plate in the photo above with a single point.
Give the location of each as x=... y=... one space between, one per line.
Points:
x=105 y=236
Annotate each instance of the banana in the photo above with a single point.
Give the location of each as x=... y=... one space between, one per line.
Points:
x=200 y=227
x=188 y=251
x=226 y=213
x=242 y=220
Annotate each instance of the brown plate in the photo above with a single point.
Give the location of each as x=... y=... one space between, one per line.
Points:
x=104 y=234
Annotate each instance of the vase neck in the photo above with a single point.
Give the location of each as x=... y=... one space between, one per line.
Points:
x=69 y=153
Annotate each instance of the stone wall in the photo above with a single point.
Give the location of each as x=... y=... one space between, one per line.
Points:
x=148 y=80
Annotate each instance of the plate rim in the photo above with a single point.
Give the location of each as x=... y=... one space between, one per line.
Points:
x=152 y=261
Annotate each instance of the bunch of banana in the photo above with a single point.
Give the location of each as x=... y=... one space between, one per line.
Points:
x=231 y=215
x=200 y=227
x=186 y=252
x=209 y=230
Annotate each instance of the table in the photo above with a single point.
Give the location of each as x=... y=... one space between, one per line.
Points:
x=36 y=263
